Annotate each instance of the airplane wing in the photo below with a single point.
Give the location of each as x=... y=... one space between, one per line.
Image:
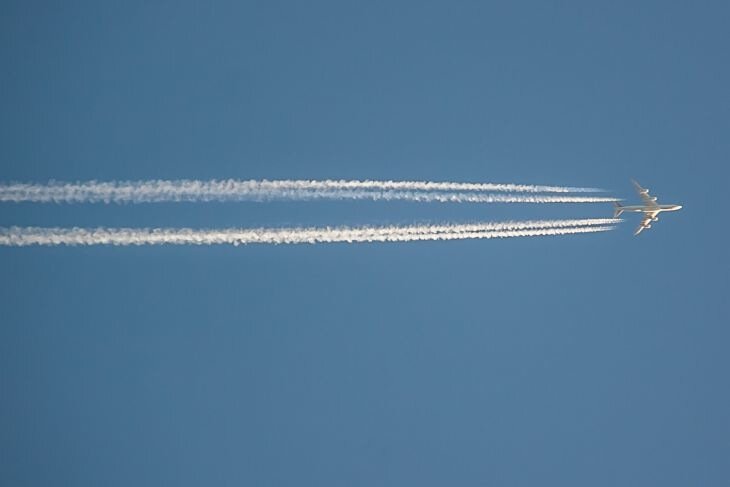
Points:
x=649 y=217
x=644 y=194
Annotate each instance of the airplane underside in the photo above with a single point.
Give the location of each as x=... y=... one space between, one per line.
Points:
x=650 y=208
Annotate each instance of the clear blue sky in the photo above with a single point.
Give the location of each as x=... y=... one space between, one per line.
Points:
x=589 y=360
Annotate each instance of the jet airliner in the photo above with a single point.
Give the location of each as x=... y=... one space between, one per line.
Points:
x=650 y=208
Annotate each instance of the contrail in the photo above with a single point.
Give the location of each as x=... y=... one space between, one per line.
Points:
x=238 y=190
x=26 y=236
x=419 y=186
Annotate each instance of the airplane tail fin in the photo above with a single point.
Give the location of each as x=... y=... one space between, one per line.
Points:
x=617 y=209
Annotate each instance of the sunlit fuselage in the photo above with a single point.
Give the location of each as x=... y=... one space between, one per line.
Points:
x=651 y=209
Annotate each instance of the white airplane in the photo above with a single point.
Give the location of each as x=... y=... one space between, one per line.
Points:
x=650 y=208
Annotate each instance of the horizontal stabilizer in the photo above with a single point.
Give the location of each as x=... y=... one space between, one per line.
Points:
x=618 y=209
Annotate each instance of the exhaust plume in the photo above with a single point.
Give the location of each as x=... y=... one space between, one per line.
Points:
x=238 y=190
x=26 y=236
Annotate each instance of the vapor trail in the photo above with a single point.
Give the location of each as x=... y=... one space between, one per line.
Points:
x=238 y=190
x=26 y=236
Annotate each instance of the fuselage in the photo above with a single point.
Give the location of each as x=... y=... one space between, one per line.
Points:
x=651 y=209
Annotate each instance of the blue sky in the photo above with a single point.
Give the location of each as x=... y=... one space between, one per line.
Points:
x=597 y=359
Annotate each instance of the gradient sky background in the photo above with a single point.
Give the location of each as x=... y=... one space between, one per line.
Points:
x=587 y=360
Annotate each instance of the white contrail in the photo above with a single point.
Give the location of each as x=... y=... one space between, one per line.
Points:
x=26 y=236
x=418 y=186
x=237 y=190
x=417 y=196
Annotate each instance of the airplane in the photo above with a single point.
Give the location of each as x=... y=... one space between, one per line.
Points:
x=650 y=208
